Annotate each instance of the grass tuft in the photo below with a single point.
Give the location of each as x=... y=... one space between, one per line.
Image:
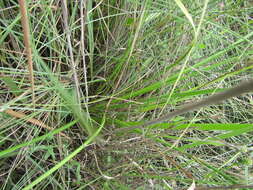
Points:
x=101 y=70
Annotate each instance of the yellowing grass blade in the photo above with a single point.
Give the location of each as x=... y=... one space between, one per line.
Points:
x=187 y=14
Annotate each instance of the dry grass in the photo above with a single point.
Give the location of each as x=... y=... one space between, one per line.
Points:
x=104 y=67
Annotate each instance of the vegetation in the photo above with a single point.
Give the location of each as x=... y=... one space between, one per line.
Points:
x=74 y=74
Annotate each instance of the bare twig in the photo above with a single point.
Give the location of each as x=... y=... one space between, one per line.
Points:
x=26 y=31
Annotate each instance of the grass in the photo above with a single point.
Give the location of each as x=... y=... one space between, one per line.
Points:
x=101 y=66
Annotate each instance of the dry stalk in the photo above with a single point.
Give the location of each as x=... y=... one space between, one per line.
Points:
x=28 y=49
x=34 y=121
x=72 y=61
x=82 y=9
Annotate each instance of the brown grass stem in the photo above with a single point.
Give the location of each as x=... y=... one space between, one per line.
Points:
x=28 y=49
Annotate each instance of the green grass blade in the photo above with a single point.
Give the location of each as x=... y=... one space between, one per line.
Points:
x=37 y=139
x=12 y=85
x=186 y=13
x=65 y=160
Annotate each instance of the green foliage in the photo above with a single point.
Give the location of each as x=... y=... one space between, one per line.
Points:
x=143 y=59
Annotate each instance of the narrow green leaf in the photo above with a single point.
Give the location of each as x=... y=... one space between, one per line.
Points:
x=186 y=13
x=65 y=160
x=12 y=85
x=37 y=139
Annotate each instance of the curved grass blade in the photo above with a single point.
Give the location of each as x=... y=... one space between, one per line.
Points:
x=65 y=160
x=43 y=137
